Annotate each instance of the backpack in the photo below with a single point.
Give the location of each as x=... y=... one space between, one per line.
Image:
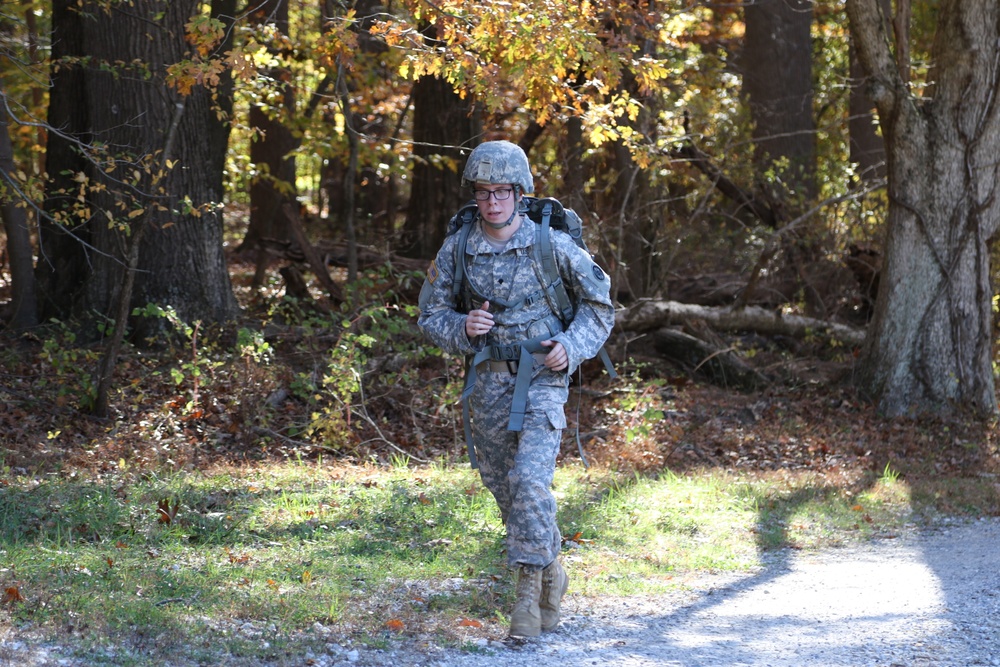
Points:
x=547 y=213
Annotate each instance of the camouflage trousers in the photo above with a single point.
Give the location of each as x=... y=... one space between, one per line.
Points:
x=518 y=466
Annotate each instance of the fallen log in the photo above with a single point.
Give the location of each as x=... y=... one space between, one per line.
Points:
x=720 y=366
x=650 y=315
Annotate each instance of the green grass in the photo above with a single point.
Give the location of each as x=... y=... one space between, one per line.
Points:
x=272 y=561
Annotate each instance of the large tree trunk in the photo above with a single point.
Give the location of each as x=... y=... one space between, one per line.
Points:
x=181 y=263
x=867 y=150
x=778 y=82
x=271 y=151
x=930 y=345
x=442 y=124
x=15 y=221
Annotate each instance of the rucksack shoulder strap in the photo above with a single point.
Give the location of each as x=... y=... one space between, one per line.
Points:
x=546 y=259
x=461 y=223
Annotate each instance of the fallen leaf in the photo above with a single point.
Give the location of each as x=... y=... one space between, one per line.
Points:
x=11 y=594
x=395 y=625
x=237 y=559
x=167 y=512
x=469 y=623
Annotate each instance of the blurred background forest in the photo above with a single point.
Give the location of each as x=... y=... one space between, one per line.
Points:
x=217 y=217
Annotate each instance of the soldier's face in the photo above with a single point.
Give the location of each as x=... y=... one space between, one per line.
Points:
x=496 y=202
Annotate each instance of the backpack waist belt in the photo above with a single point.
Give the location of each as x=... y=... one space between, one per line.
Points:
x=498 y=366
x=516 y=359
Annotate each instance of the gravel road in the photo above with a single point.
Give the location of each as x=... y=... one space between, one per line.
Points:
x=926 y=599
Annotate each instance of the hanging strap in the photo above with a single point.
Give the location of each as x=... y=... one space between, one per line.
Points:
x=521 y=353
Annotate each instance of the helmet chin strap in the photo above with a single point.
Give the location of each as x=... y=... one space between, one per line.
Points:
x=500 y=225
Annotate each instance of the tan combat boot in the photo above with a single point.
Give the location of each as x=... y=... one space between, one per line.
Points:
x=526 y=619
x=554 y=585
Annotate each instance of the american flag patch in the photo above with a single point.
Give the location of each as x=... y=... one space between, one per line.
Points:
x=432 y=273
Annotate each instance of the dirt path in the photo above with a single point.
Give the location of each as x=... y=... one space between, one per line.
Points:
x=925 y=599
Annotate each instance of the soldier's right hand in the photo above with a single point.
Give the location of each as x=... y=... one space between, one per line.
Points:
x=479 y=322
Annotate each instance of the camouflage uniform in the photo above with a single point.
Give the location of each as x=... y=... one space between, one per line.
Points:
x=518 y=466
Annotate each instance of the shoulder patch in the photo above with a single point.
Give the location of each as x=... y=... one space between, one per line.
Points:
x=598 y=273
x=432 y=272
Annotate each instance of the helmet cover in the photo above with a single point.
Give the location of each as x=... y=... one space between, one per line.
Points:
x=498 y=162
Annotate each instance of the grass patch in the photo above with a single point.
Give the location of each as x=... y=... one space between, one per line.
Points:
x=273 y=561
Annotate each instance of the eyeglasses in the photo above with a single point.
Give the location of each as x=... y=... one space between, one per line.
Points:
x=500 y=194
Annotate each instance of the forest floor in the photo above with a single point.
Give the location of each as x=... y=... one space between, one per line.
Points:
x=188 y=399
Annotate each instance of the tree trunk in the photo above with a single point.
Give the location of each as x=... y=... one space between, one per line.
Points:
x=270 y=153
x=15 y=221
x=930 y=345
x=867 y=149
x=442 y=124
x=181 y=263
x=778 y=82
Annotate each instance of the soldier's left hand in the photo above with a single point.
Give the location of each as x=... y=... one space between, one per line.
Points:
x=557 y=359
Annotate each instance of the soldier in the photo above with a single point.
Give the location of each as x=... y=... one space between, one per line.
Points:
x=504 y=318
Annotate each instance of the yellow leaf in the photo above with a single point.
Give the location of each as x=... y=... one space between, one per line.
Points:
x=136 y=213
x=597 y=136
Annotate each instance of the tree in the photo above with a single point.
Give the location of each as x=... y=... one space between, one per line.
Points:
x=21 y=138
x=442 y=124
x=867 y=148
x=15 y=222
x=272 y=142
x=778 y=81
x=929 y=347
x=126 y=84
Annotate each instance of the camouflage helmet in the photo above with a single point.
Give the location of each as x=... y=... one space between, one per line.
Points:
x=498 y=162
